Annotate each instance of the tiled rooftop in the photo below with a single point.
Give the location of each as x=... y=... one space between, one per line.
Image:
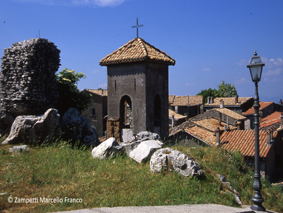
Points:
x=183 y=100
x=211 y=124
x=271 y=119
x=176 y=115
x=202 y=134
x=230 y=101
x=252 y=110
x=244 y=141
x=137 y=50
x=230 y=113
x=98 y=91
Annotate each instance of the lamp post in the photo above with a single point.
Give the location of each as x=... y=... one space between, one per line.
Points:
x=255 y=67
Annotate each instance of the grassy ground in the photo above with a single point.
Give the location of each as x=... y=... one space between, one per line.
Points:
x=63 y=173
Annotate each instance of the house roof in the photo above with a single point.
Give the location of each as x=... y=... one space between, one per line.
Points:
x=137 y=50
x=274 y=118
x=230 y=101
x=230 y=113
x=211 y=124
x=183 y=100
x=101 y=92
x=205 y=135
x=176 y=115
x=244 y=141
x=252 y=110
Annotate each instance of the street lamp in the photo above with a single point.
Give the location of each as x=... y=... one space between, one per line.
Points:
x=255 y=67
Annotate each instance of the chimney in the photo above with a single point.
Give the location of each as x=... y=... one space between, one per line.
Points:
x=236 y=99
x=211 y=99
x=172 y=121
x=176 y=109
x=238 y=123
x=280 y=102
x=188 y=100
x=217 y=133
x=221 y=103
x=208 y=100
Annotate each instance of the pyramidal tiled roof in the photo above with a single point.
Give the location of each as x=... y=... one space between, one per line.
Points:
x=137 y=50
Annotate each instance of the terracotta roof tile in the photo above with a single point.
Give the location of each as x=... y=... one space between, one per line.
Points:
x=230 y=101
x=202 y=134
x=183 y=100
x=230 y=113
x=271 y=119
x=176 y=115
x=136 y=50
x=262 y=106
x=211 y=124
x=244 y=141
x=98 y=91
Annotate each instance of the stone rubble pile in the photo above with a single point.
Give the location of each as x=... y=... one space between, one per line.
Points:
x=27 y=83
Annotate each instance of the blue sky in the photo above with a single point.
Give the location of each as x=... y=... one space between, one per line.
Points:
x=211 y=40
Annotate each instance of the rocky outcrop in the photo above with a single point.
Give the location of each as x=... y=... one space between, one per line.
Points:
x=169 y=159
x=77 y=128
x=108 y=149
x=35 y=129
x=144 y=150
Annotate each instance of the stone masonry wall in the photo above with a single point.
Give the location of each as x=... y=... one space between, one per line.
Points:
x=113 y=129
x=27 y=77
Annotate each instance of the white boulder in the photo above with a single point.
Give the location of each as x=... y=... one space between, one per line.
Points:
x=144 y=150
x=109 y=148
x=35 y=129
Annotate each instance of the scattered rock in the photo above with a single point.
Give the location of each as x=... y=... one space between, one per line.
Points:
x=18 y=149
x=144 y=150
x=108 y=149
x=5 y=194
x=35 y=129
x=145 y=135
x=232 y=190
x=78 y=128
x=169 y=159
x=137 y=139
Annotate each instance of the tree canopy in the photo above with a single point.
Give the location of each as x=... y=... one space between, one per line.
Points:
x=224 y=90
x=70 y=96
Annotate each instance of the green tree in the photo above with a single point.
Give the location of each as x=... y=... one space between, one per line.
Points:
x=208 y=93
x=226 y=90
x=70 y=95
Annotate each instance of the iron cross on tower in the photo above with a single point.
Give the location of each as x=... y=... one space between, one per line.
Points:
x=137 y=26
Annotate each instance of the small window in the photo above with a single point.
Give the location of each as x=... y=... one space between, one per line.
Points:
x=92 y=112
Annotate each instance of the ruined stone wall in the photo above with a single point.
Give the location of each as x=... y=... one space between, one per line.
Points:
x=27 y=77
x=113 y=129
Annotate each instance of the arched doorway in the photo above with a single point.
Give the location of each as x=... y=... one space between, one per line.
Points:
x=126 y=118
x=157 y=114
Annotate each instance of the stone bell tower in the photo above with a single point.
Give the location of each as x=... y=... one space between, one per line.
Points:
x=137 y=84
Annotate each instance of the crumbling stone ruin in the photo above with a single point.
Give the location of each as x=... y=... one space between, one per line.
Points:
x=27 y=77
x=27 y=80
